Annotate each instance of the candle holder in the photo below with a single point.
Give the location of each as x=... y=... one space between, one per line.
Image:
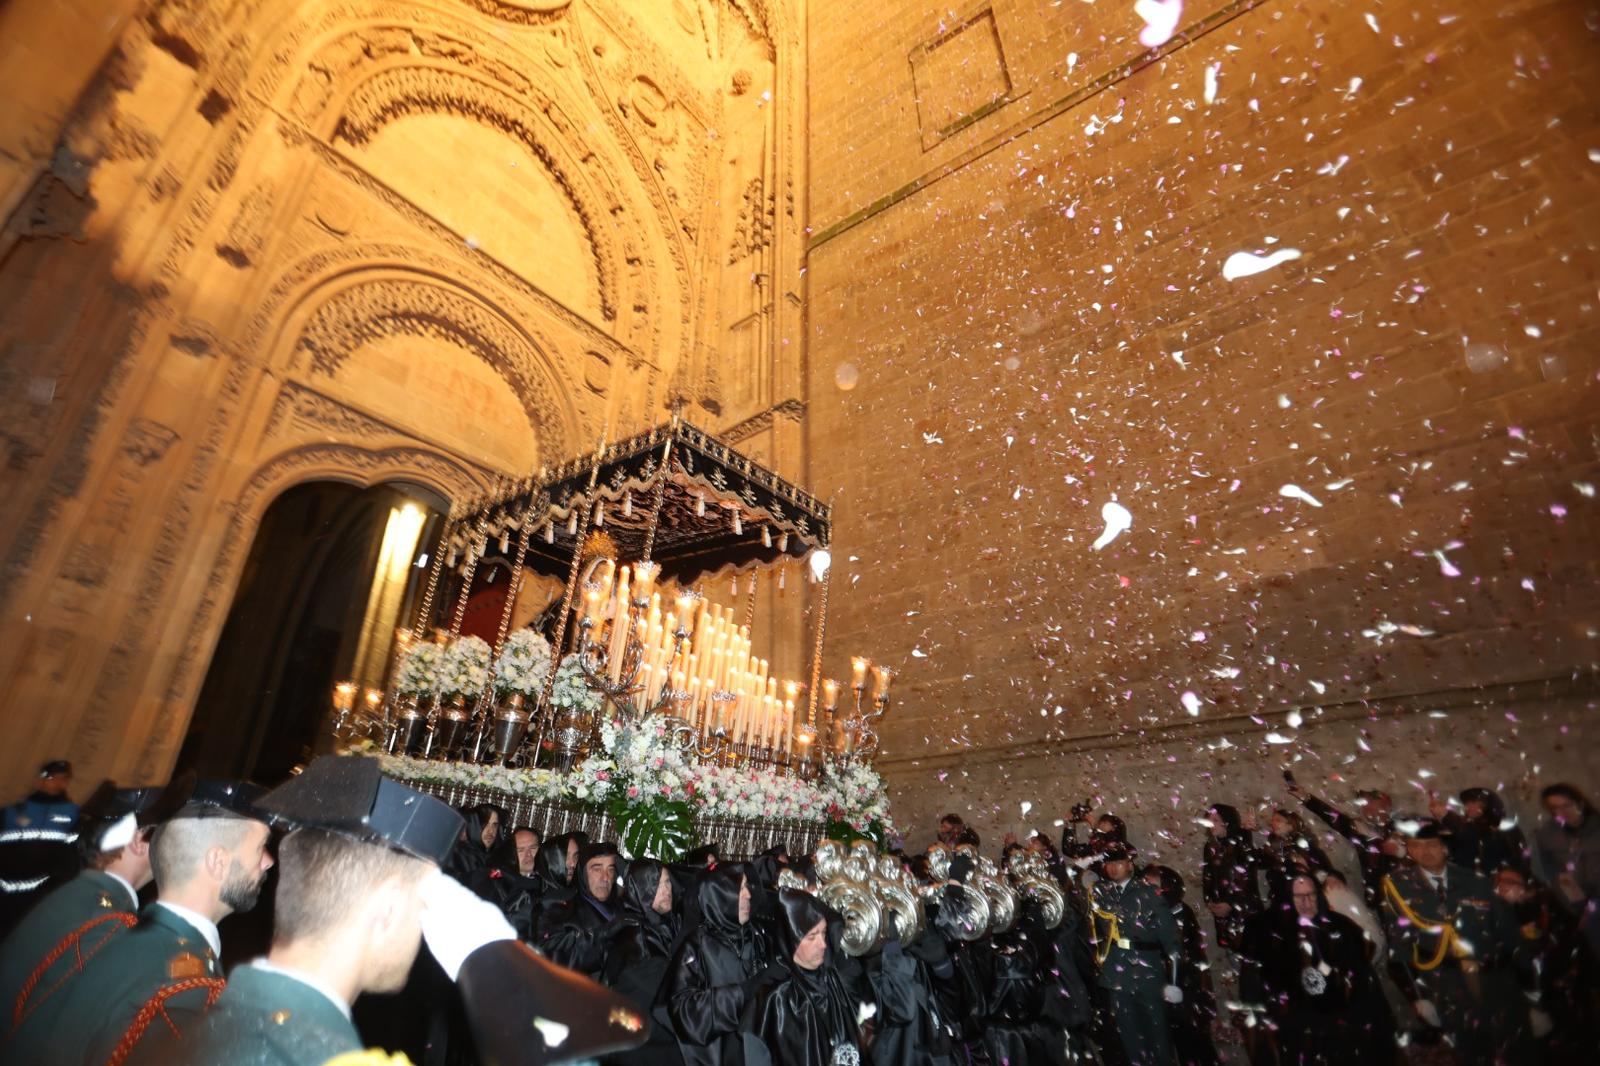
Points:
x=410 y=724
x=805 y=736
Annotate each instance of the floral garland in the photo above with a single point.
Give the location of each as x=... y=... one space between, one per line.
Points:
x=641 y=766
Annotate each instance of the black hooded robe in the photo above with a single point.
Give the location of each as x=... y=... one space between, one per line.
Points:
x=804 y=1017
x=709 y=978
x=580 y=934
x=637 y=965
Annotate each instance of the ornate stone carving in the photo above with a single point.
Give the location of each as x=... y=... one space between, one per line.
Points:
x=390 y=306
x=793 y=410
x=752 y=232
x=147 y=441
x=411 y=90
x=523 y=12
x=246 y=235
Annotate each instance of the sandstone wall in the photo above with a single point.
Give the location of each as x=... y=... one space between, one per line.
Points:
x=1020 y=220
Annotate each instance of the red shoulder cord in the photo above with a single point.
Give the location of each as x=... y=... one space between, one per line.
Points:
x=157 y=1005
x=72 y=941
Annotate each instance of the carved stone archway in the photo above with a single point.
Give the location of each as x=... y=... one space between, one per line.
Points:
x=378 y=303
x=352 y=464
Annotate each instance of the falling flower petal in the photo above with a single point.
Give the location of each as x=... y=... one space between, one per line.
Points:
x=1160 y=20
x=1245 y=264
x=1118 y=521
x=1295 y=492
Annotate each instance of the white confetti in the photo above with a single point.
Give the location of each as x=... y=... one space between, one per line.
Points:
x=1446 y=567
x=1026 y=807
x=1214 y=69
x=1160 y=20
x=1118 y=521
x=1294 y=718
x=1278 y=738
x=1372 y=20
x=1295 y=492
x=1191 y=703
x=1247 y=264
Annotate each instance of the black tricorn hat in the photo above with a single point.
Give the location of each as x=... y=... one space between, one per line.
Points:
x=148 y=804
x=348 y=795
x=526 y=1011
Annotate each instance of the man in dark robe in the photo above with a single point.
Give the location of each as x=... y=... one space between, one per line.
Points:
x=640 y=955
x=579 y=935
x=709 y=981
x=804 y=1014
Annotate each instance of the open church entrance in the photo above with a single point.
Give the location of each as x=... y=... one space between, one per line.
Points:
x=332 y=571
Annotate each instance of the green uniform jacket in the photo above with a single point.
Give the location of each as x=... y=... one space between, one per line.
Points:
x=263 y=1019
x=1471 y=915
x=84 y=1023
x=1137 y=952
x=91 y=897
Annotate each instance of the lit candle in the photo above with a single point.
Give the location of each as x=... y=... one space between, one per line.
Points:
x=645 y=573
x=344 y=695
x=374 y=699
x=830 y=694
x=884 y=676
x=620 y=616
x=858 y=672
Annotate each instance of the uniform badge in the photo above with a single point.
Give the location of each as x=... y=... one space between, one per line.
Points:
x=186 y=966
x=624 y=1018
x=1312 y=981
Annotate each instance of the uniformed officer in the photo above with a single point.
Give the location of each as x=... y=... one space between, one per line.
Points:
x=1137 y=948
x=359 y=889
x=38 y=844
x=70 y=926
x=1457 y=941
x=209 y=860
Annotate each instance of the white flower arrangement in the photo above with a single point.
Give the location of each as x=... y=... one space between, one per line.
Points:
x=464 y=667
x=523 y=664
x=542 y=786
x=418 y=672
x=571 y=690
x=640 y=763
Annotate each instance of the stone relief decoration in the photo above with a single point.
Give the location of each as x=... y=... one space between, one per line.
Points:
x=311 y=411
x=241 y=245
x=523 y=12
x=652 y=109
x=752 y=230
x=758 y=18
x=147 y=441
x=394 y=93
x=391 y=306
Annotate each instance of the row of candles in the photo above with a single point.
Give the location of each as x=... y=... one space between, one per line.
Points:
x=694 y=650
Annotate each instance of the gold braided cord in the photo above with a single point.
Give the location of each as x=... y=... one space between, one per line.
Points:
x=1113 y=934
x=1449 y=939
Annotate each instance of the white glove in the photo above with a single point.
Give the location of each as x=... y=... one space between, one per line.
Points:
x=1541 y=1022
x=1172 y=994
x=456 y=922
x=1428 y=1013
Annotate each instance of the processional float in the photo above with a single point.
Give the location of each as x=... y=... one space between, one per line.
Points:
x=633 y=649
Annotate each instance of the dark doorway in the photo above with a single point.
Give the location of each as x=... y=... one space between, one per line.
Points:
x=295 y=627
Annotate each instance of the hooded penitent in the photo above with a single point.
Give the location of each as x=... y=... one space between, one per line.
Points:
x=807 y=1017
